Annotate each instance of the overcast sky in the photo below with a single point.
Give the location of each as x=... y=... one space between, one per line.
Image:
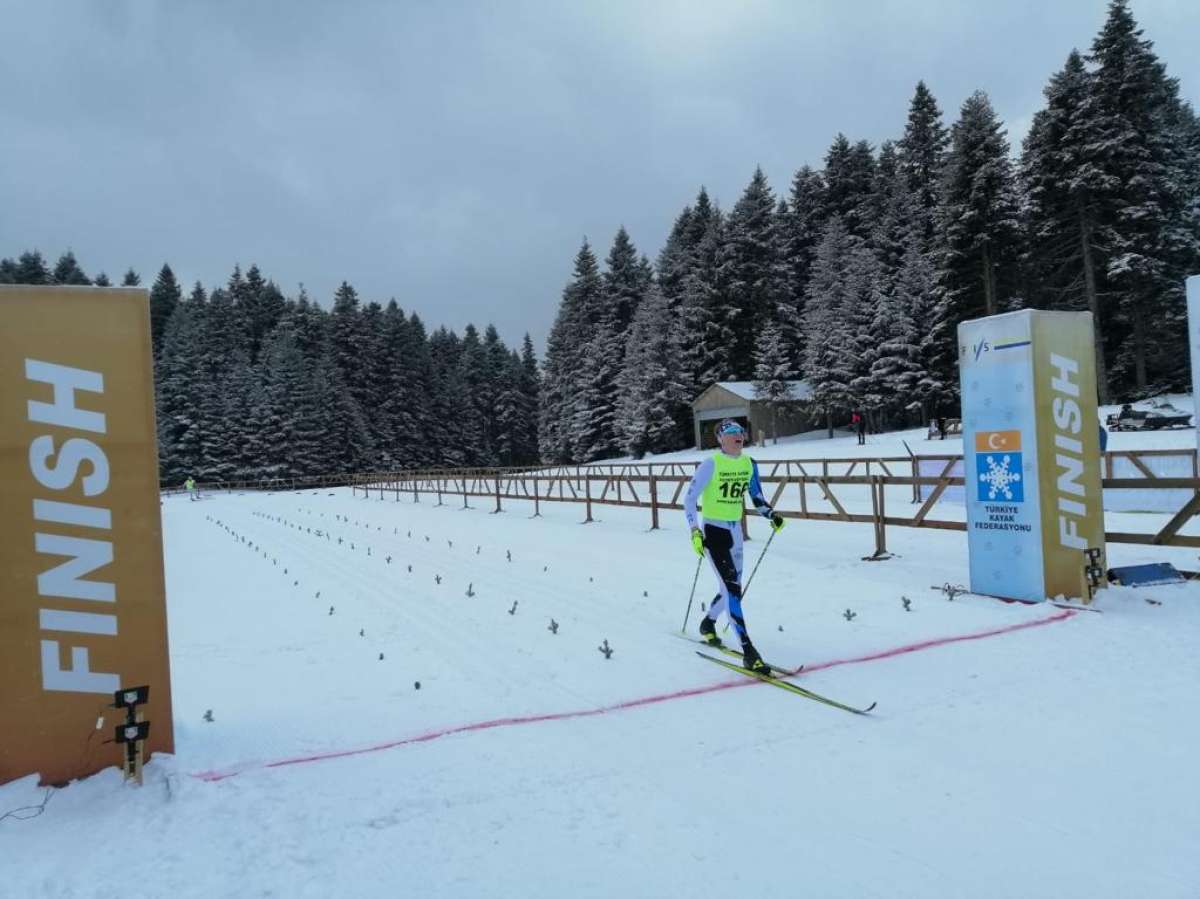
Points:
x=453 y=155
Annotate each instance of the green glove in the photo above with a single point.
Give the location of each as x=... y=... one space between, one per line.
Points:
x=698 y=541
x=777 y=522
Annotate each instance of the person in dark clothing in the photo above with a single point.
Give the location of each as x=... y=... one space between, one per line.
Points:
x=860 y=427
x=941 y=423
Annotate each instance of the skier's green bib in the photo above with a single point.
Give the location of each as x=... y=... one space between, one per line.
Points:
x=722 y=500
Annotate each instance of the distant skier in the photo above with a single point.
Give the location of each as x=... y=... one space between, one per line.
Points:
x=860 y=427
x=190 y=484
x=720 y=482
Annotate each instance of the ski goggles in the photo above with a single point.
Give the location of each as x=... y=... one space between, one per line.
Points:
x=731 y=429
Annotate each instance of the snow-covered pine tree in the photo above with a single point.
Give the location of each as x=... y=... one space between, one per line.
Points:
x=921 y=159
x=421 y=448
x=67 y=271
x=693 y=298
x=1150 y=229
x=223 y=349
x=470 y=382
x=904 y=366
x=673 y=259
x=531 y=389
x=773 y=373
x=594 y=415
x=373 y=373
x=348 y=435
x=313 y=400
x=785 y=312
x=325 y=392
x=239 y=388
x=801 y=231
x=850 y=184
x=502 y=378
x=863 y=299
x=654 y=408
x=1063 y=185
x=165 y=295
x=749 y=275
x=979 y=233
x=553 y=438
x=572 y=332
x=346 y=340
x=510 y=411
x=281 y=405
x=260 y=305
x=445 y=431
x=177 y=388
x=892 y=356
x=398 y=428
x=829 y=338
x=31 y=269
x=978 y=215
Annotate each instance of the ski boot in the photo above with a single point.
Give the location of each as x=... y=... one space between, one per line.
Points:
x=708 y=632
x=753 y=662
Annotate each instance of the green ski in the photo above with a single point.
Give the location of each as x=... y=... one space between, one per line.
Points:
x=777 y=670
x=787 y=685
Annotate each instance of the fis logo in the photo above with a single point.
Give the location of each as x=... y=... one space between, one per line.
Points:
x=984 y=347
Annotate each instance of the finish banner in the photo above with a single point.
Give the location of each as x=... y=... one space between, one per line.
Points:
x=1031 y=453
x=82 y=596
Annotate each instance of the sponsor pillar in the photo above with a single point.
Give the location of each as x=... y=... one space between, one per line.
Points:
x=82 y=598
x=1031 y=453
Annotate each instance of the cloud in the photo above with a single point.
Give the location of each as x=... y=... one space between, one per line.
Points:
x=453 y=155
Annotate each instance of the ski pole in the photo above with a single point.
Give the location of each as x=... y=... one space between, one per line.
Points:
x=746 y=589
x=691 y=596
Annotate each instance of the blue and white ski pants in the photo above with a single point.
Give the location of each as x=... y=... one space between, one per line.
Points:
x=723 y=542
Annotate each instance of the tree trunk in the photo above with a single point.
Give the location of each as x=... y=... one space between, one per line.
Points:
x=1089 y=282
x=989 y=282
x=1139 y=345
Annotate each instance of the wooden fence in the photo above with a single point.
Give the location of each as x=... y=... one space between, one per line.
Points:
x=850 y=490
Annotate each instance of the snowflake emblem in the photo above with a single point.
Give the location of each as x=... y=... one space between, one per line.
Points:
x=1000 y=478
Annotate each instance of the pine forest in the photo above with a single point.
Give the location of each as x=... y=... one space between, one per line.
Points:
x=852 y=278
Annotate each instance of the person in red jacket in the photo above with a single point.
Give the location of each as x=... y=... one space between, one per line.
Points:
x=860 y=427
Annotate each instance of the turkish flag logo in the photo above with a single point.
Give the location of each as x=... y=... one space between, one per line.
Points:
x=997 y=441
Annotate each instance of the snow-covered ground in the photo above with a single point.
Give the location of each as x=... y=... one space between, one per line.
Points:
x=1015 y=751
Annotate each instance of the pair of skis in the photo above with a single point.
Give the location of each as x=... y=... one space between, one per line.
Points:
x=775 y=678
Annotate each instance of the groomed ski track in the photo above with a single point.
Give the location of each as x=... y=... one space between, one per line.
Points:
x=1006 y=756
x=628 y=704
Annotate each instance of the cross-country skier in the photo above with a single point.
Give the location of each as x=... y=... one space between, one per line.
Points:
x=190 y=484
x=719 y=483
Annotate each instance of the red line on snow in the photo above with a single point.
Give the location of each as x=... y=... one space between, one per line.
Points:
x=941 y=641
x=223 y=774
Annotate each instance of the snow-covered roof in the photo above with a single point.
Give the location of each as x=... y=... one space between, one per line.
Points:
x=745 y=389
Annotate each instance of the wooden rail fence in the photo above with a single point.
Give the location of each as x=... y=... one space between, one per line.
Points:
x=825 y=490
